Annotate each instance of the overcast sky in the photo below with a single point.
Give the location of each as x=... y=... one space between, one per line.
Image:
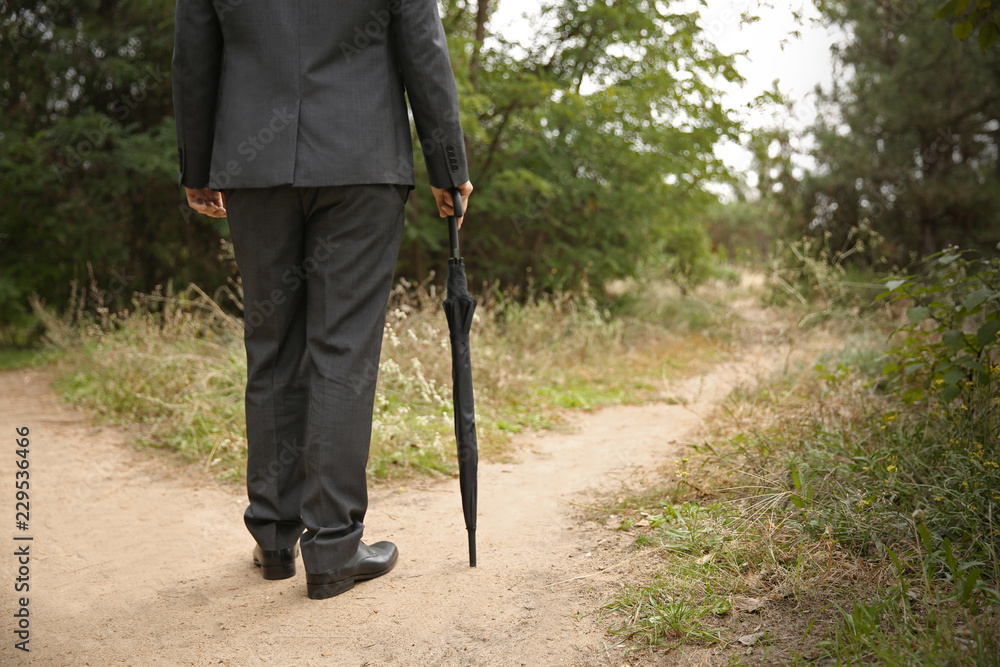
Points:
x=774 y=52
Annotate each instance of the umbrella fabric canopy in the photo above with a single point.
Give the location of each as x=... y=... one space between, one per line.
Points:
x=459 y=308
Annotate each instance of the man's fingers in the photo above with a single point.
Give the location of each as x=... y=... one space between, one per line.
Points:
x=466 y=190
x=211 y=212
x=443 y=198
x=207 y=202
x=211 y=209
x=445 y=206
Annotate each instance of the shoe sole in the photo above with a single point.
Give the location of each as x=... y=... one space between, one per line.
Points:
x=274 y=572
x=324 y=591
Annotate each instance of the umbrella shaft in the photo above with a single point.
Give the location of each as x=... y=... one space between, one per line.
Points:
x=456 y=201
x=453 y=236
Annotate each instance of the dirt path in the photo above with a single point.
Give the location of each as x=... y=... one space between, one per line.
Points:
x=139 y=561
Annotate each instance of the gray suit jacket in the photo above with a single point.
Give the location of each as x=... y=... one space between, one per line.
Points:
x=311 y=93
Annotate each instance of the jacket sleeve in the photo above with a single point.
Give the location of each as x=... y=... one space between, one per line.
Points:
x=422 y=57
x=197 y=63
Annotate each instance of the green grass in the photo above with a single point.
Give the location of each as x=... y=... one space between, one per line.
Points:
x=667 y=620
x=179 y=383
x=174 y=370
x=16 y=357
x=866 y=528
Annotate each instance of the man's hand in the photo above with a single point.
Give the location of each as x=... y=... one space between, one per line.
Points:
x=210 y=202
x=445 y=206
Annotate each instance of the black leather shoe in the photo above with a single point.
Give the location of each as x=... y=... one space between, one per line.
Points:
x=279 y=564
x=369 y=562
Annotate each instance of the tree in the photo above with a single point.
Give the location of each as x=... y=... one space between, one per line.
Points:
x=908 y=140
x=973 y=15
x=87 y=150
x=589 y=148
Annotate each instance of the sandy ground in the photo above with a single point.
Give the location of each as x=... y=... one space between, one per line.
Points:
x=138 y=560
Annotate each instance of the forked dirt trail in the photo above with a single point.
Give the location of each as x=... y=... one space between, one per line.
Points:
x=137 y=560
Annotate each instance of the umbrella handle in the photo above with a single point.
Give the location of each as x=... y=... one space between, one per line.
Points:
x=456 y=199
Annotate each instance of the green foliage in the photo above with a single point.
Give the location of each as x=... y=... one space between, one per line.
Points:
x=662 y=619
x=689 y=262
x=875 y=633
x=874 y=472
x=745 y=232
x=88 y=157
x=652 y=301
x=899 y=488
x=972 y=15
x=811 y=271
x=908 y=144
x=173 y=367
x=588 y=147
x=878 y=516
x=950 y=341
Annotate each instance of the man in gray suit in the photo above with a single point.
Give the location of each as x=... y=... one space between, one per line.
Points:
x=292 y=121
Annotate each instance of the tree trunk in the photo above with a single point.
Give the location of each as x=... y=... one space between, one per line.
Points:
x=927 y=236
x=481 y=15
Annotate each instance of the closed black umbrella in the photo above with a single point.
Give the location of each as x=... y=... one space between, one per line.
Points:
x=459 y=308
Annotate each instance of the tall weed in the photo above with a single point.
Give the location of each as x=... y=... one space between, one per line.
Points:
x=174 y=367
